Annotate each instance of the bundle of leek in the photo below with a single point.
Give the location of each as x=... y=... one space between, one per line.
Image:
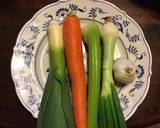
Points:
x=110 y=112
x=56 y=109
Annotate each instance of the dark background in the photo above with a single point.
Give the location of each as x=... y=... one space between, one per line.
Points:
x=15 y=13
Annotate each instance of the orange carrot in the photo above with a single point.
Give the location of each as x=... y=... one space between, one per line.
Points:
x=73 y=49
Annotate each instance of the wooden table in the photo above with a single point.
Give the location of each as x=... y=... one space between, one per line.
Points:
x=15 y=13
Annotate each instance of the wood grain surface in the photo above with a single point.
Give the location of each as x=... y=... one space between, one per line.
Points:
x=15 y=13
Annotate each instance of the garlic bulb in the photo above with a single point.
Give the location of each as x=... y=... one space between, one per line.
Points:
x=124 y=71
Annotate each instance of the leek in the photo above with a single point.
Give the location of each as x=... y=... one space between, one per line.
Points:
x=91 y=35
x=55 y=109
x=110 y=112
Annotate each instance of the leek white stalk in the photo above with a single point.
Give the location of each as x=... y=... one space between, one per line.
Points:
x=110 y=112
x=56 y=109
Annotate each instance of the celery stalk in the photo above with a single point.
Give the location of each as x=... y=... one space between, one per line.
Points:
x=110 y=111
x=55 y=109
x=91 y=35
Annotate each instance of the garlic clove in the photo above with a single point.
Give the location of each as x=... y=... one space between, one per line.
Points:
x=124 y=71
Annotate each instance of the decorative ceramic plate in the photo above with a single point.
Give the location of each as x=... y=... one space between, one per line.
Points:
x=30 y=64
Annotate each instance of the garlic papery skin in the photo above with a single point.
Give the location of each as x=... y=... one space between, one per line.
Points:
x=124 y=71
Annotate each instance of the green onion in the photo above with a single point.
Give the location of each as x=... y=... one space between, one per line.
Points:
x=110 y=112
x=91 y=35
x=55 y=109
